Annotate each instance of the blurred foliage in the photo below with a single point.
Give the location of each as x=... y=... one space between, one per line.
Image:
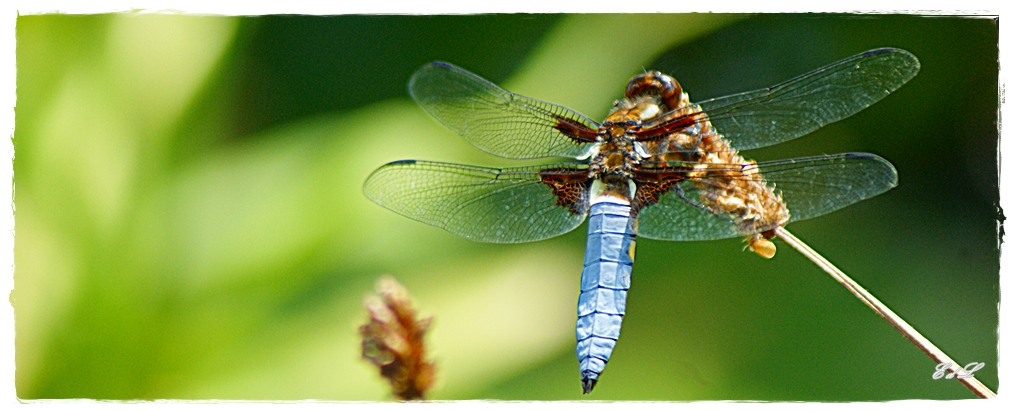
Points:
x=189 y=222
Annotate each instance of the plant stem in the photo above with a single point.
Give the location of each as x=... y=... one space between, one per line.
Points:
x=905 y=329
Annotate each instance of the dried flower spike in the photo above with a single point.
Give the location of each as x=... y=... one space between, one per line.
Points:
x=393 y=340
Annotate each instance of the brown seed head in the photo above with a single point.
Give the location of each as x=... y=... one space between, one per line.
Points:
x=393 y=340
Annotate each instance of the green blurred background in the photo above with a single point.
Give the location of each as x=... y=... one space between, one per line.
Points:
x=189 y=221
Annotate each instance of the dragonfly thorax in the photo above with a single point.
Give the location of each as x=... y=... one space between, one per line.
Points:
x=617 y=153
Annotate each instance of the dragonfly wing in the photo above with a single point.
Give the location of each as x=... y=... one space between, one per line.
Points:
x=810 y=187
x=510 y=205
x=814 y=186
x=498 y=121
x=801 y=105
x=678 y=217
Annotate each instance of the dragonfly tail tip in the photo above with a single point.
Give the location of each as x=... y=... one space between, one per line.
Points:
x=589 y=385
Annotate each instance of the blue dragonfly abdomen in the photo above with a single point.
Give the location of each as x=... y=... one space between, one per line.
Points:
x=608 y=264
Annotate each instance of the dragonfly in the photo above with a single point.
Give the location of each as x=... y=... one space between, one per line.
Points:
x=657 y=167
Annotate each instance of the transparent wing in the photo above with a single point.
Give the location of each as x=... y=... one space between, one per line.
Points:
x=674 y=219
x=810 y=186
x=498 y=121
x=510 y=205
x=814 y=186
x=801 y=105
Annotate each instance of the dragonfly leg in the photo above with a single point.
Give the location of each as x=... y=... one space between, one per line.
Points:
x=682 y=195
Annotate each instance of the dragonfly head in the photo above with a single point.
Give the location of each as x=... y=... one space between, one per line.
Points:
x=655 y=83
